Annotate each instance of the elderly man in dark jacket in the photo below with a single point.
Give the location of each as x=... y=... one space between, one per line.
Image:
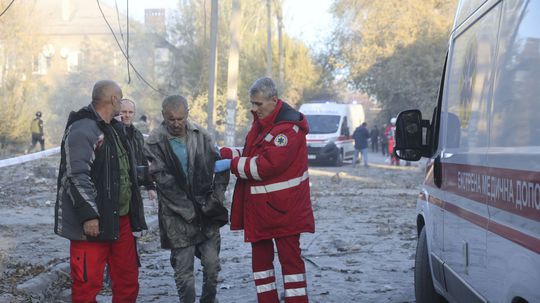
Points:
x=98 y=204
x=191 y=211
x=136 y=139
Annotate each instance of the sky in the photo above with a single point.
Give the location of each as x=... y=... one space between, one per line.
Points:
x=308 y=20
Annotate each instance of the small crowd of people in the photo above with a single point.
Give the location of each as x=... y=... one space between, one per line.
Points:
x=363 y=137
x=105 y=160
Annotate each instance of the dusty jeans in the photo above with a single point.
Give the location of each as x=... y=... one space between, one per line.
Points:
x=182 y=262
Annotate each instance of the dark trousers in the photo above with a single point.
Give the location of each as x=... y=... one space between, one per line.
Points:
x=375 y=145
x=35 y=139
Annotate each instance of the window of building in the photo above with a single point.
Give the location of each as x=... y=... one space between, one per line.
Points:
x=72 y=61
x=39 y=64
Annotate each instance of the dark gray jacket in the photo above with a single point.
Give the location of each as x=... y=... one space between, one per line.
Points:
x=190 y=207
x=136 y=140
x=89 y=179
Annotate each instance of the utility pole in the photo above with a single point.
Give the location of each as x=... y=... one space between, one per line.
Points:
x=232 y=73
x=212 y=69
x=269 y=38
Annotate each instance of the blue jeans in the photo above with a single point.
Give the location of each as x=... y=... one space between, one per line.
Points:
x=364 y=152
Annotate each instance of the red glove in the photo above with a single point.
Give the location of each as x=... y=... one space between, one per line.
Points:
x=230 y=153
x=226 y=153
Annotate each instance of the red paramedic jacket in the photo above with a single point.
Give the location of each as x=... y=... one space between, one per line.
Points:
x=271 y=197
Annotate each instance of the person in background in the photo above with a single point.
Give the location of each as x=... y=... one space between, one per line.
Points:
x=98 y=204
x=374 y=134
x=390 y=134
x=136 y=139
x=361 y=136
x=142 y=125
x=36 y=128
x=271 y=199
x=384 y=142
x=182 y=157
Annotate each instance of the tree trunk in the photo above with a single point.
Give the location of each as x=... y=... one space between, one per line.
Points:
x=279 y=15
x=269 y=38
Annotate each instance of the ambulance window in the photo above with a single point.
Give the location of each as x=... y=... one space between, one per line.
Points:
x=468 y=87
x=323 y=124
x=516 y=99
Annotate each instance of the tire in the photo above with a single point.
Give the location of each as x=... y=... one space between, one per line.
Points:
x=339 y=159
x=423 y=281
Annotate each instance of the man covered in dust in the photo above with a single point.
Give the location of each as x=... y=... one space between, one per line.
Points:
x=182 y=157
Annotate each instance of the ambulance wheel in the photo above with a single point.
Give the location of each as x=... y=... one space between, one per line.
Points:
x=339 y=159
x=423 y=281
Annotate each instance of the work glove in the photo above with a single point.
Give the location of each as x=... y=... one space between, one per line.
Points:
x=222 y=165
x=225 y=153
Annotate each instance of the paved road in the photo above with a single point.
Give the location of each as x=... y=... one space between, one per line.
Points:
x=362 y=251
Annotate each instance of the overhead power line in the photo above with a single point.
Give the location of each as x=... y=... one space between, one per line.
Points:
x=118 y=19
x=7 y=7
x=127 y=39
x=125 y=55
x=126 y=44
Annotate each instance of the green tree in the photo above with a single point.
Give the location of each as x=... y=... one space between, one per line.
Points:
x=393 y=50
x=191 y=35
x=20 y=89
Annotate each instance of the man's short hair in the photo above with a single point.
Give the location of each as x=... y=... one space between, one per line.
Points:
x=174 y=102
x=130 y=101
x=264 y=86
x=100 y=90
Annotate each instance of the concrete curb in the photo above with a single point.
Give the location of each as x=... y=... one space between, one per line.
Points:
x=38 y=286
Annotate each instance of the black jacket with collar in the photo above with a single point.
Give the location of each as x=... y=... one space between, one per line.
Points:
x=89 y=179
x=136 y=140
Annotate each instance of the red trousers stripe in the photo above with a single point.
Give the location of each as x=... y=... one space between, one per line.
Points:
x=292 y=266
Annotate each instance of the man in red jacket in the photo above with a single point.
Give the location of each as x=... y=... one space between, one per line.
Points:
x=271 y=199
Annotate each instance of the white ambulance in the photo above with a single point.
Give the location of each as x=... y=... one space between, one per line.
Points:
x=330 y=128
x=479 y=211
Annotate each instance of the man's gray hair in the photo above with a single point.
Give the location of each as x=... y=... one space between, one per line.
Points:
x=264 y=86
x=174 y=102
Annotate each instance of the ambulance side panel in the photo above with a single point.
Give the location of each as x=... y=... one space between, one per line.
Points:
x=483 y=222
x=513 y=242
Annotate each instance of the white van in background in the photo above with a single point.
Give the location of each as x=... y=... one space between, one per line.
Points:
x=330 y=128
x=478 y=214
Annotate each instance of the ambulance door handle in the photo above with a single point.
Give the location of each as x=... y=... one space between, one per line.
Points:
x=446 y=155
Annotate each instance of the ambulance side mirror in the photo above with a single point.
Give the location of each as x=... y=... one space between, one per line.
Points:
x=411 y=136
